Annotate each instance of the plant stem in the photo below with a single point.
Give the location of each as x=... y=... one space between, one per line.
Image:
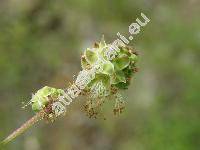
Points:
x=23 y=128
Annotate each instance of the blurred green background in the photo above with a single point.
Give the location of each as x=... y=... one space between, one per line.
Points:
x=41 y=42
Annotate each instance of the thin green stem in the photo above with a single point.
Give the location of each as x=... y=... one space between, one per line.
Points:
x=23 y=128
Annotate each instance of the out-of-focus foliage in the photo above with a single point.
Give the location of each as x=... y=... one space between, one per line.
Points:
x=41 y=42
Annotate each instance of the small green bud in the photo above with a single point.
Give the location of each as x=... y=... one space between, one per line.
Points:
x=119 y=77
x=121 y=62
x=41 y=97
x=134 y=58
x=91 y=56
x=36 y=107
x=108 y=68
x=84 y=63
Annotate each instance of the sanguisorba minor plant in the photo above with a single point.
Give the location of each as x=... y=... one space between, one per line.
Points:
x=110 y=77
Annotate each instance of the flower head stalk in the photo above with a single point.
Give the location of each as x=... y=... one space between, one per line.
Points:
x=23 y=128
x=104 y=74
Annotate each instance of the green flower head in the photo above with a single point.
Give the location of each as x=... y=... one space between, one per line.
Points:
x=112 y=75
